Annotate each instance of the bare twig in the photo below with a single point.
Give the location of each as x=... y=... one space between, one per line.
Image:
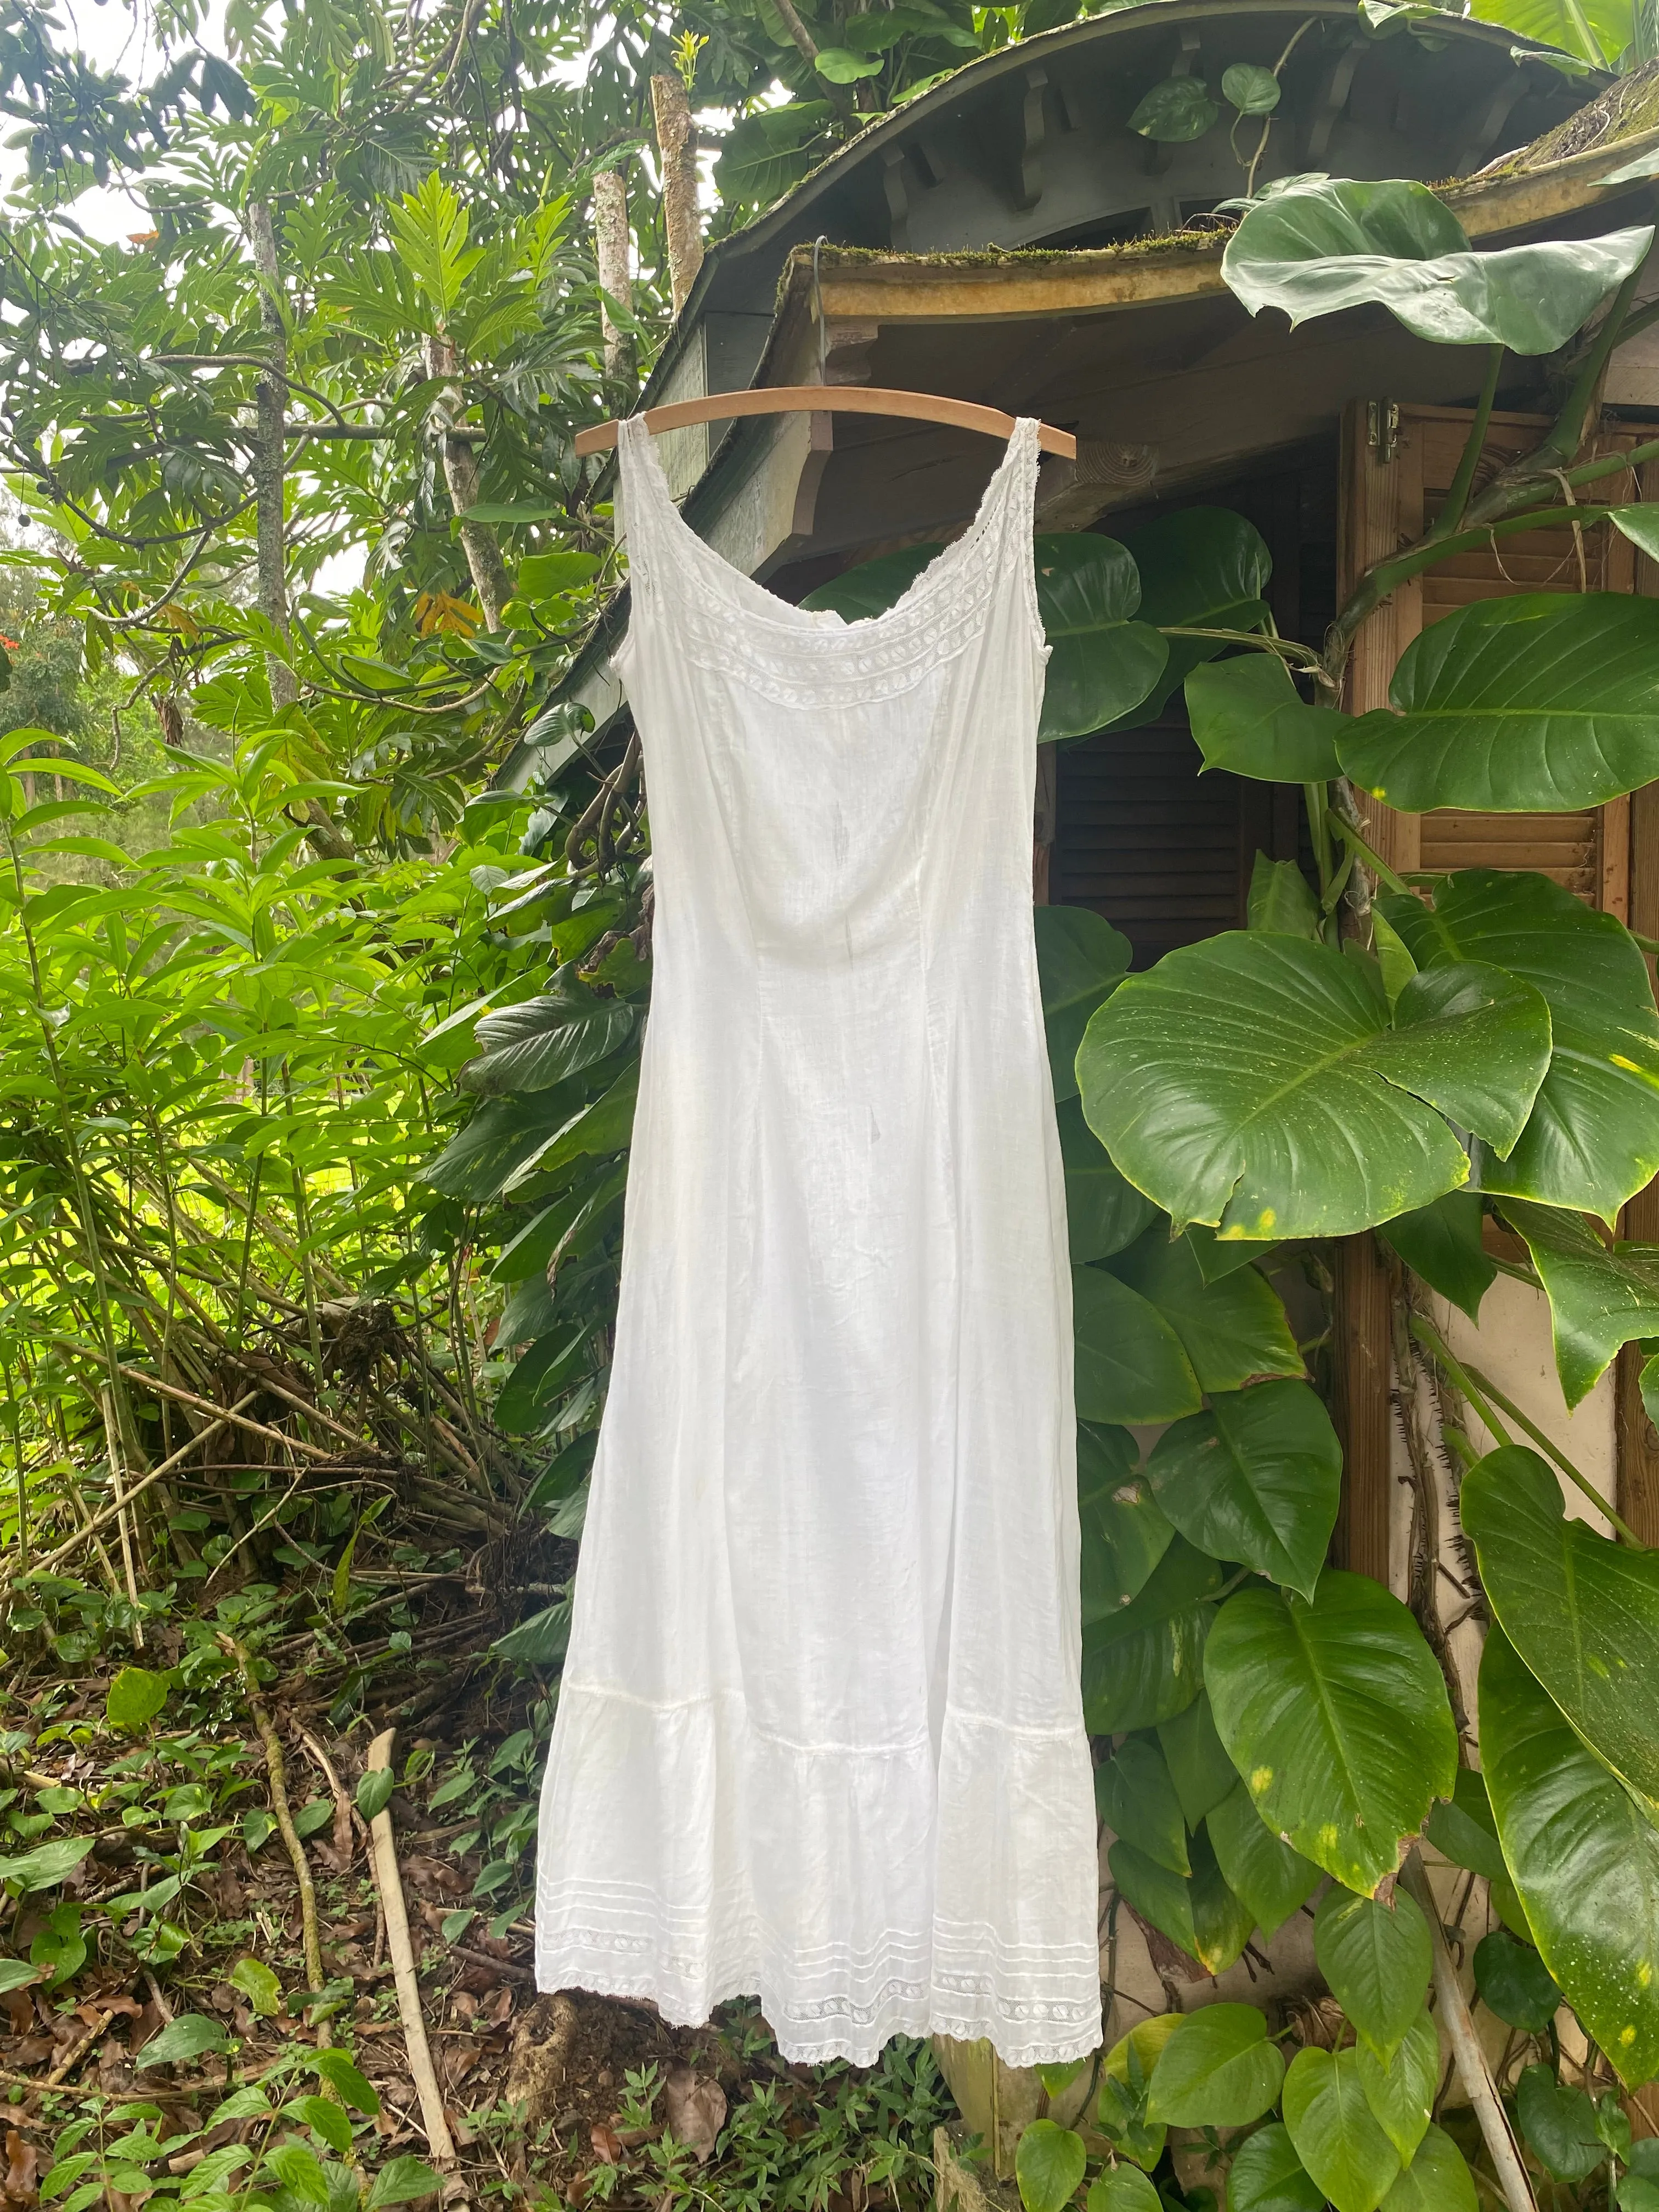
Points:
x=1471 y=2067
x=390 y=1885
x=276 y=1769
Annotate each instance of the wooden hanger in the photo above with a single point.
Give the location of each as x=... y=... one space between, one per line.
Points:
x=828 y=399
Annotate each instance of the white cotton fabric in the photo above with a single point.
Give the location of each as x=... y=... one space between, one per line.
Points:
x=820 y=1734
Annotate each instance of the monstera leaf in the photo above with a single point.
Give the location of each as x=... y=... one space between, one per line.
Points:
x=1556 y=23
x=1124 y=1534
x=1347 y=244
x=1593 y=1138
x=1130 y=1365
x=873 y=585
x=1101 y=662
x=1601 y=1296
x=1201 y=569
x=1536 y=704
x=1336 y=1715
x=1581 y=1611
x=1137 y=1801
x=1081 y=960
x=1248 y=716
x=1441 y=1243
x=1146 y=1663
x=1338 y=2137
x=1257 y=1082
x=1270 y=1878
x=1585 y=1858
x=1201 y=1914
x=1103 y=1212
x=1234 y=1330
x=1256 y=1478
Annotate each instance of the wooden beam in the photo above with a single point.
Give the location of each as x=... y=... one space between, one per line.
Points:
x=939 y=288
x=1362 y=1375
x=1636 y=1440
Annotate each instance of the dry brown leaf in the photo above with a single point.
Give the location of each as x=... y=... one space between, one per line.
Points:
x=694 y=2107
x=607 y=2143
x=23 y=2170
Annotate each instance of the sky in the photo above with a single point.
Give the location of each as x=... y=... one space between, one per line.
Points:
x=112 y=36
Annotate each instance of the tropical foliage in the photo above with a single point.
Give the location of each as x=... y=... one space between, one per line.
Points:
x=1369 y=1054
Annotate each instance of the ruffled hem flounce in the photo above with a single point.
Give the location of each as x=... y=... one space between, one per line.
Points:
x=859 y=1893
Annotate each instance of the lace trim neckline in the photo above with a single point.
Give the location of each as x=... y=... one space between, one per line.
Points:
x=644 y=473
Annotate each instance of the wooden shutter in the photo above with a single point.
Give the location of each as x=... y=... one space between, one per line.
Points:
x=1397 y=466
x=1164 y=853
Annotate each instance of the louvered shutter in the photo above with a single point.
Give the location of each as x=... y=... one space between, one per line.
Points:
x=1397 y=467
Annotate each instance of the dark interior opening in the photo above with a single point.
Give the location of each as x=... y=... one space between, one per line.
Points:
x=1141 y=836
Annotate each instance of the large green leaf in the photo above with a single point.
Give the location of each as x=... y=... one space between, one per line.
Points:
x=1270 y=1878
x=1256 y=1083
x=1461 y=1828
x=540 y=1042
x=605 y=1125
x=768 y=152
x=1602 y=1295
x=1585 y=1858
x=482 y=1158
x=1437 y=2180
x=1199 y=1765
x=1234 y=1330
x=1157 y=1893
x=1103 y=1212
x=1582 y=1612
x=1248 y=716
x=1558 y=2122
x=1081 y=960
x=1593 y=1138
x=1538 y=703
x=1217 y=2070
x=1125 y=2073
x=1048 y=2166
x=1136 y=1799
x=1515 y=1982
x=1377 y=1960
x=1256 y=1479
x=1266 y=2175
x=1441 y=1243
x=1130 y=1363
x=1341 y=243
x=1201 y=1915
x=1282 y=900
x=1101 y=662
x=1201 y=569
x=1337 y=2136
x=1124 y=1534
x=1336 y=1715
x=1176 y=110
x=872 y=586
x=1146 y=1663
x=1124 y=2189
x=1400 y=2089
x=1555 y=23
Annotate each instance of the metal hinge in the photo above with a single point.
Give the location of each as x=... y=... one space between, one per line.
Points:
x=1382 y=427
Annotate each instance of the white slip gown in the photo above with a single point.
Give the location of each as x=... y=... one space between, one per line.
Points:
x=820 y=1736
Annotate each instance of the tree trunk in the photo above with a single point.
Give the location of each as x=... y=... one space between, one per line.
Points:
x=270 y=468
x=271 y=394
x=611 y=249
x=677 y=146
x=484 y=555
